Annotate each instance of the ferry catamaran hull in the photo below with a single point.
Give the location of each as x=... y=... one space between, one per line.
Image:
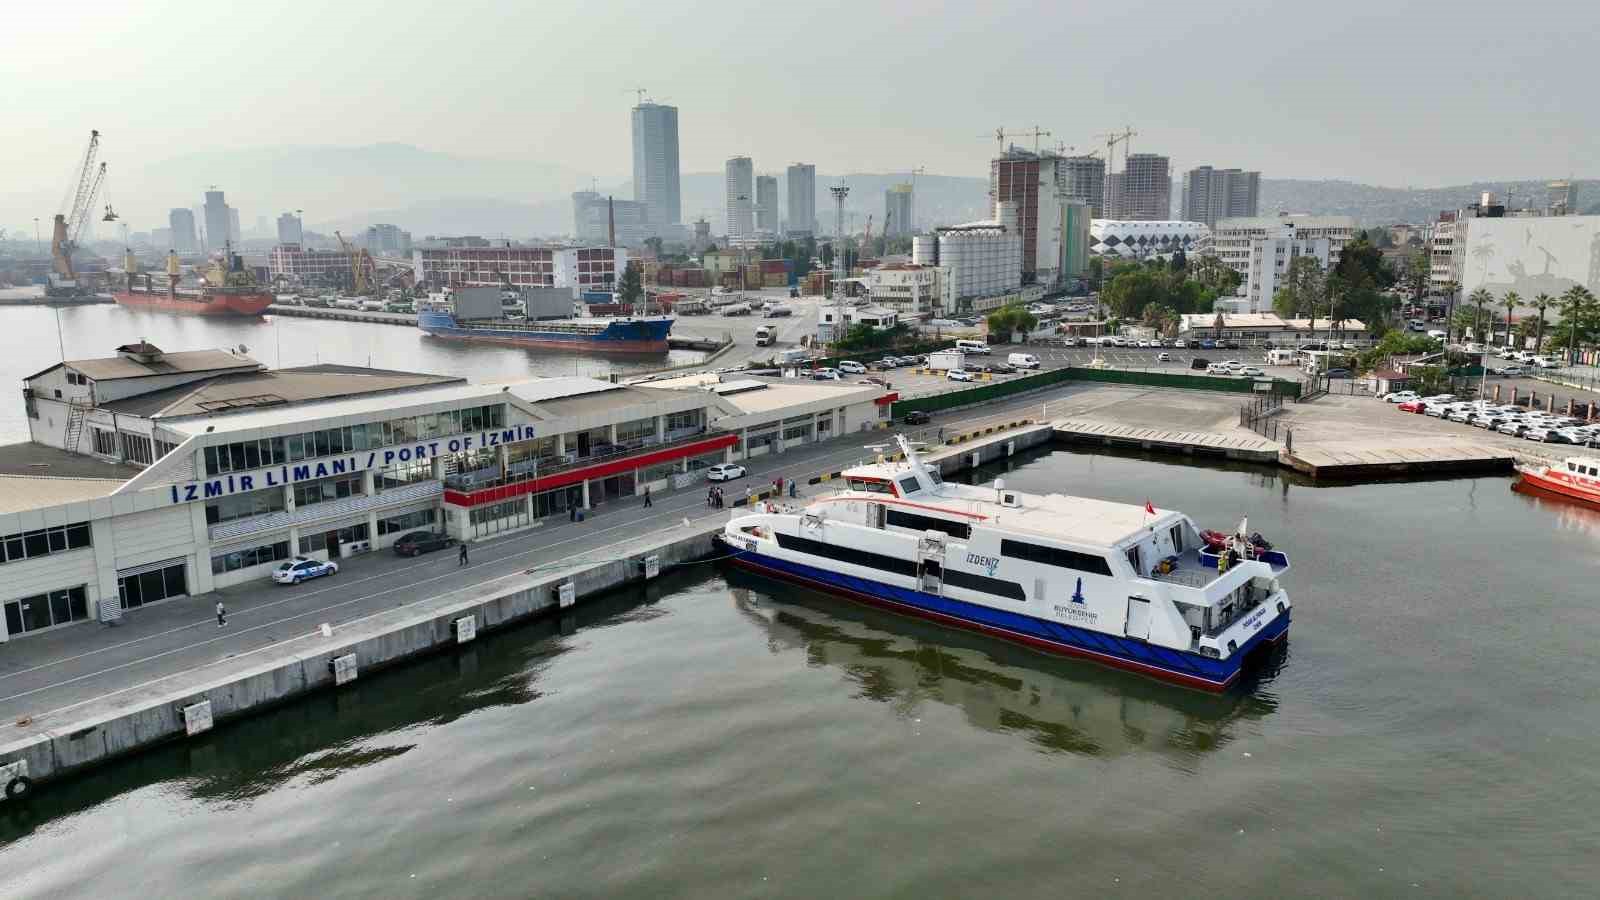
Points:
x=1049 y=637
x=1064 y=575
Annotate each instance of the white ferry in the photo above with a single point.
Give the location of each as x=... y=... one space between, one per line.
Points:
x=1132 y=587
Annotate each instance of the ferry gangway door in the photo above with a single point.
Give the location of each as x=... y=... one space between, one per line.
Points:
x=1138 y=623
x=930 y=564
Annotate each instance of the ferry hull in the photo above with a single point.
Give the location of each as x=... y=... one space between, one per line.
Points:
x=1566 y=489
x=253 y=304
x=621 y=337
x=1188 y=670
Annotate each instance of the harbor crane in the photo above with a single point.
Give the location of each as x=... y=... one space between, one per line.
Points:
x=69 y=225
x=362 y=266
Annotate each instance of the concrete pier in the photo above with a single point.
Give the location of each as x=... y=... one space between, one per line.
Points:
x=1189 y=443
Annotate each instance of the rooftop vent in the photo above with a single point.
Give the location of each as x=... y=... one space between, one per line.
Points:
x=142 y=352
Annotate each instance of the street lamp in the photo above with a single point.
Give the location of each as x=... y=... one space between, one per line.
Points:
x=38 y=241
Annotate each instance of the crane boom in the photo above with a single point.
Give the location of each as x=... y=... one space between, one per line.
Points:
x=78 y=187
x=82 y=221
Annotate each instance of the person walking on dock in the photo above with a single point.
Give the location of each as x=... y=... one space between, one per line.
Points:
x=647 y=497
x=222 y=614
x=462 y=556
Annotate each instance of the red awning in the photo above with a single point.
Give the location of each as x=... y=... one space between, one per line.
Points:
x=890 y=397
x=587 y=473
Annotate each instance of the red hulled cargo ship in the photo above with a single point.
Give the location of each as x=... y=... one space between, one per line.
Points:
x=225 y=291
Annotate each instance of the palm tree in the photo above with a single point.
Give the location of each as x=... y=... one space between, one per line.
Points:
x=1480 y=298
x=1541 y=302
x=1511 y=301
x=1574 y=306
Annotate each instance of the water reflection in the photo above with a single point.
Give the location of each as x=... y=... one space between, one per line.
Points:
x=1058 y=705
x=1568 y=514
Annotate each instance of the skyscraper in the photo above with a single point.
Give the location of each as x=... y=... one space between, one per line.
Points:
x=897 y=210
x=802 y=178
x=1083 y=178
x=1142 y=191
x=233 y=226
x=181 y=221
x=655 y=161
x=741 y=197
x=1212 y=194
x=290 y=230
x=1033 y=185
x=767 y=203
x=216 y=219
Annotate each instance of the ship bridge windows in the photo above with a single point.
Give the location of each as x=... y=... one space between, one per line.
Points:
x=1055 y=556
x=909 y=486
x=870 y=485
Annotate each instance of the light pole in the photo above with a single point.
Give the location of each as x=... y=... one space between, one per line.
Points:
x=38 y=240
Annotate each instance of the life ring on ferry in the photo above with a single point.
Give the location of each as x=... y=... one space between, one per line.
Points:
x=19 y=787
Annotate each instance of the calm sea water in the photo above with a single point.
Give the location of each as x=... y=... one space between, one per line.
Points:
x=1430 y=731
x=33 y=342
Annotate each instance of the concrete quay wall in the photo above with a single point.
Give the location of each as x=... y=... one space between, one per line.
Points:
x=60 y=743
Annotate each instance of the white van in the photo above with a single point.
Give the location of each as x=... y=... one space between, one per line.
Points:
x=852 y=367
x=1023 y=360
x=978 y=348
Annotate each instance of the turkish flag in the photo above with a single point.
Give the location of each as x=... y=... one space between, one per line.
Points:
x=1148 y=509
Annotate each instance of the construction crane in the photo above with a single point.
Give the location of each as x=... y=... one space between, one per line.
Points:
x=1112 y=139
x=641 y=92
x=362 y=266
x=1063 y=148
x=1037 y=133
x=68 y=227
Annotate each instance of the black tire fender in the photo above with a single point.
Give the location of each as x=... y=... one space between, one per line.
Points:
x=19 y=787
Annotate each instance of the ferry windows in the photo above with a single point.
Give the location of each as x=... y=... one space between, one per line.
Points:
x=849 y=555
x=1055 y=556
x=1176 y=533
x=1133 y=560
x=903 y=519
x=871 y=487
x=908 y=486
x=995 y=586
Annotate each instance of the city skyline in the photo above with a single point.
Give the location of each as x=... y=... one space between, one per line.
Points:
x=204 y=85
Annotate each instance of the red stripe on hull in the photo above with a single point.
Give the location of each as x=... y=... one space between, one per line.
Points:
x=1115 y=662
x=1564 y=490
x=214 y=305
x=632 y=347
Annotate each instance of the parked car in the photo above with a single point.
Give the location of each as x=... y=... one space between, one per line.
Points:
x=1337 y=373
x=1199 y=362
x=1412 y=406
x=725 y=472
x=1545 y=362
x=1251 y=372
x=889 y=362
x=1208 y=344
x=852 y=367
x=419 y=542
x=301 y=568
x=1512 y=371
x=1400 y=396
x=917 y=417
x=1163 y=357
x=998 y=368
x=825 y=375
x=959 y=375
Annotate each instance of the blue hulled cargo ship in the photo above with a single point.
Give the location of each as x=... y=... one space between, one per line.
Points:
x=635 y=334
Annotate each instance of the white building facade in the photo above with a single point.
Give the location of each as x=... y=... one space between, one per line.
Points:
x=1260 y=249
x=982 y=260
x=913 y=291
x=1128 y=239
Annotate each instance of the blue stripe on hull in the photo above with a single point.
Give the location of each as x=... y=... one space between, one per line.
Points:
x=1188 y=669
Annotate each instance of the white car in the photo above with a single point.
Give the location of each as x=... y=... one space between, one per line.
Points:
x=301 y=568
x=1163 y=357
x=1545 y=362
x=1400 y=397
x=959 y=375
x=725 y=472
x=853 y=367
x=1511 y=371
x=1251 y=372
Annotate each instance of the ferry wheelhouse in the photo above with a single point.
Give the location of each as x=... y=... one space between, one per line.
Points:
x=1576 y=478
x=1128 y=586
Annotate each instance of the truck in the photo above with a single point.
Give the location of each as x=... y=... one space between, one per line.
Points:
x=737 y=309
x=766 y=336
x=945 y=360
x=776 y=312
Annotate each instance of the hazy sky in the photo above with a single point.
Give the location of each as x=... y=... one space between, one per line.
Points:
x=1392 y=92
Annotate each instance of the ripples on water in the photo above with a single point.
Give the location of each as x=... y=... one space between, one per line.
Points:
x=1428 y=732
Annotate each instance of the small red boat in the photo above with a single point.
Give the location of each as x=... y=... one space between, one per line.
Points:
x=230 y=291
x=1575 y=478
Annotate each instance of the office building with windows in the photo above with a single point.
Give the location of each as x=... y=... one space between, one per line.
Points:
x=151 y=476
x=801 y=216
x=655 y=162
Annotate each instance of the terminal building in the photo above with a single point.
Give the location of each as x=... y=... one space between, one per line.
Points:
x=152 y=475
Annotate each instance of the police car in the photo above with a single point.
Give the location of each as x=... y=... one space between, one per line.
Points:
x=300 y=568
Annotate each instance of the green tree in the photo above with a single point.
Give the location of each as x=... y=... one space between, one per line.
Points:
x=1578 y=314
x=827 y=255
x=1010 y=319
x=1097 y=271
x=1418 y=273
x=1480 y=298
x=1210 y=272
x=1362 y=265
x=1460 y=322
x=1163 y=318
x=630 y=290
x=1510 y=301
x=1302 y=292
x=654 y=243
x=1130 y=291
x=1541 y=303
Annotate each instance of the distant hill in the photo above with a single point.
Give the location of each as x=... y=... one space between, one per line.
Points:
x=1389 y=206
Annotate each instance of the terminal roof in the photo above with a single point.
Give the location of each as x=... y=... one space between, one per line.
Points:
x=250 y=390
x=189 y=361
x=34 y=476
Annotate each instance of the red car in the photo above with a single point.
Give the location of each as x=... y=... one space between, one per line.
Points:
x=1412 y=406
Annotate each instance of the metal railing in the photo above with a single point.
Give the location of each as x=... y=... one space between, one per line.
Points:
x=1260 y=415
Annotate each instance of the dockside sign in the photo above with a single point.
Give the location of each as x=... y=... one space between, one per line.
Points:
x=349 y=463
